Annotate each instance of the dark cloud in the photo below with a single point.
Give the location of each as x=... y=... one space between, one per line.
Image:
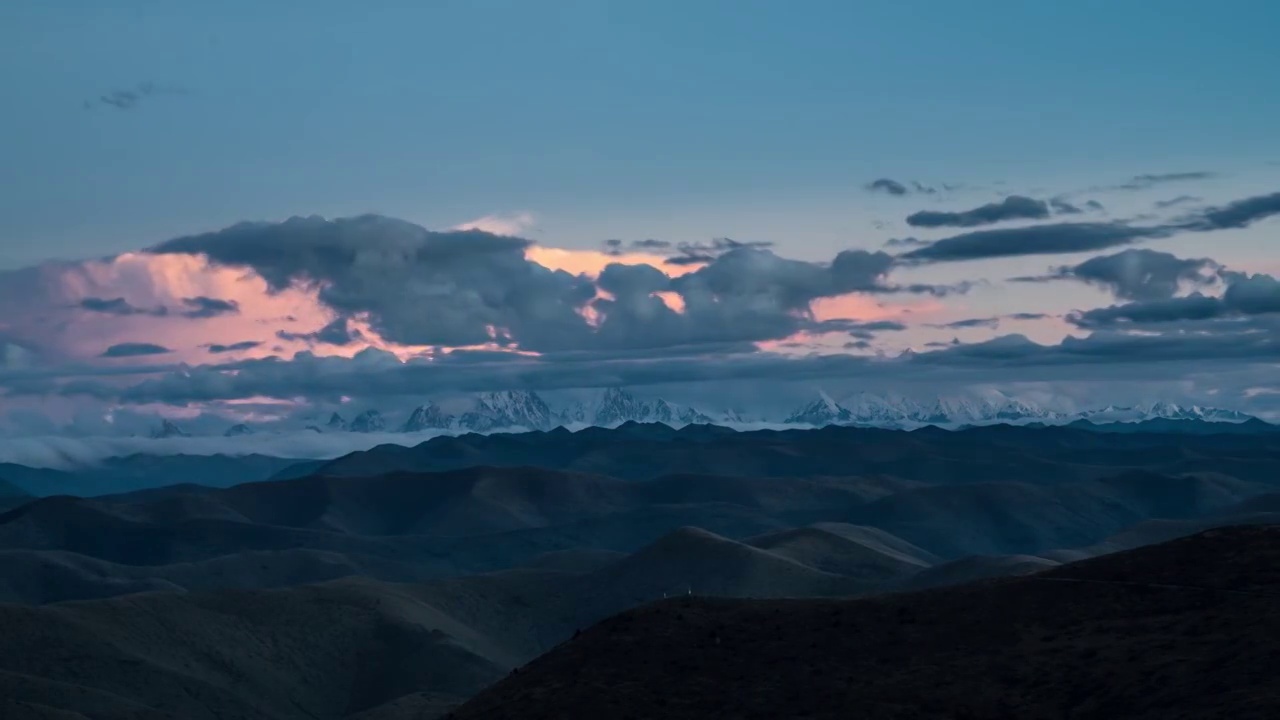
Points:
x=744 y=295
x=1142 y=182
x=233 y=347
x=905 y=242
x=1240 y=213
x=885 y=185
x=893 y=187
x=615 y=246
x=1180 y=200
x=1027 y=316
x=1112 y=355
x=863 y=330
x=1094 y=205
x=338 y=332
x=1035 y=240
x=699 y=253
x=130 y=349
x=469 y=288
x=1137 y=273
x=1062 y=207
x=987 y=322
x=1193 y=307
x=1013 y=207
x=118 y=306
x=418 y=287
x=207 y=307
x=1057 y=238
x=129 y=98
x=1245 y=295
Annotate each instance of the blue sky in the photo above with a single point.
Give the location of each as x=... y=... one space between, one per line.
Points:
x=606 y=119
x=571 y=123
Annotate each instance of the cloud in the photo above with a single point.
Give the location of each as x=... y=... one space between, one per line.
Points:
x=1239 y=214
x=1179 y=200
x=893 y=187
x=118 y=306
x=616 y=247
x=1049 y=239
x=373 y=375
x=702 y=253
x=206 y=307
x=234 y=347
x=1061 y=238
x=416 y=287
x=133 y=349
x=1245 y=295
x=1013 y=207
x=987 y=322
x=905 y=242
x=509 y=225
x=338 y=332
x=1142 y=182
x=1062 y=207
x=885 y=185
x=1137 y=273
x=130 y=98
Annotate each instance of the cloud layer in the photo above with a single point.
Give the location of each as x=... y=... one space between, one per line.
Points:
x=312 y=310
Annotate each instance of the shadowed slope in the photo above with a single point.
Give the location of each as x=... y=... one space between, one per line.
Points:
x=1187 y=629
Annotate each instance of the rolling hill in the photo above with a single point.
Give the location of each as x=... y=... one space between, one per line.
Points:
x=1185 y=629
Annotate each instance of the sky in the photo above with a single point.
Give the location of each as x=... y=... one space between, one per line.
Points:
x=1074 y=201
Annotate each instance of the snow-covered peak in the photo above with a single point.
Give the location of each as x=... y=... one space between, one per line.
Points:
x=169 y=429
x=428 y=417
x=617 y=406
x=507 y=409
x=368 y=421
x=820 y=412
x=238 y=430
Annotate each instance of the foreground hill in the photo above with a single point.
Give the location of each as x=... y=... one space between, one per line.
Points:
x=1186 y=629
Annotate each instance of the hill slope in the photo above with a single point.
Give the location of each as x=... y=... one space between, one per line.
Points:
x=1187 y=629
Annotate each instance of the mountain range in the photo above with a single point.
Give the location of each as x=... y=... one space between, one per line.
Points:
x=526 y=410
x=398 y=582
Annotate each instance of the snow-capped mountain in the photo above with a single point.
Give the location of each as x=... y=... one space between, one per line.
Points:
x=367 y=422
x=994 y=408
x=507 y=409
x=428 y=417
x=525 y=410
x=893 y=411
x=820 y=413
x=890 y=411
x=617 y=406
x=168 y=429
x=1162 y=410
